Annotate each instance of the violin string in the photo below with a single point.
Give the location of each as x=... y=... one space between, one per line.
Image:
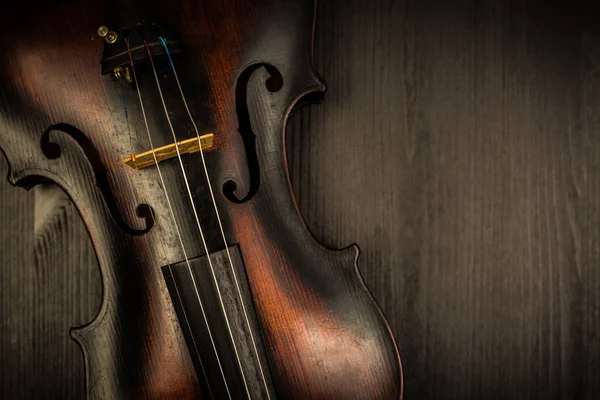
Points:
x=187 y=321
x=198 y=221
x=164 y=42
x=172 y=213
x=162 y=244
x=176 y=227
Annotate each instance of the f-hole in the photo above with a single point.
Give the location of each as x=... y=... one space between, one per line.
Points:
x=53 y=151
x=273 y=84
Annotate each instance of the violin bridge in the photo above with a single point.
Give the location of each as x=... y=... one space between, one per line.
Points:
x=146 y=159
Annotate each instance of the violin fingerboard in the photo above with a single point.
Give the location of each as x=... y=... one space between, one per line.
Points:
x=216 y=325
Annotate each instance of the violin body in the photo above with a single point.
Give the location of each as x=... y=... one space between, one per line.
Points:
x=213 y=287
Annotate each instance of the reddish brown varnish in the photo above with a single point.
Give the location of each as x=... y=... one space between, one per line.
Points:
x=324 y=335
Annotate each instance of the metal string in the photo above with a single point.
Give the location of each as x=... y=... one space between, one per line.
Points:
x=180 y=242
x=187 y=322
x=162 y=244
x=164 y=42
x=198 y=221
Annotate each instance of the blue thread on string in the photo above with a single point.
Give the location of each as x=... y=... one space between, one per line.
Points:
x=164 y=42
x=125 y=103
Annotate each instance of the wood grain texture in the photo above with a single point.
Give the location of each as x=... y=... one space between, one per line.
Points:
x=458 y=146
x=50 y=283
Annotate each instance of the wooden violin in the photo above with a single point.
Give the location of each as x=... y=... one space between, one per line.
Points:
x=165 y=124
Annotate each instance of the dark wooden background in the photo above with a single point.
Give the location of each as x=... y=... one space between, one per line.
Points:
x=458 y=145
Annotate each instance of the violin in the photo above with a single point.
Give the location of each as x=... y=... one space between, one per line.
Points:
x=164 y=122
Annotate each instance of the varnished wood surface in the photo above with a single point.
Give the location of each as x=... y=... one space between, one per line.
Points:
x=458 y=145
x=323 y=333
x=50 y=282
